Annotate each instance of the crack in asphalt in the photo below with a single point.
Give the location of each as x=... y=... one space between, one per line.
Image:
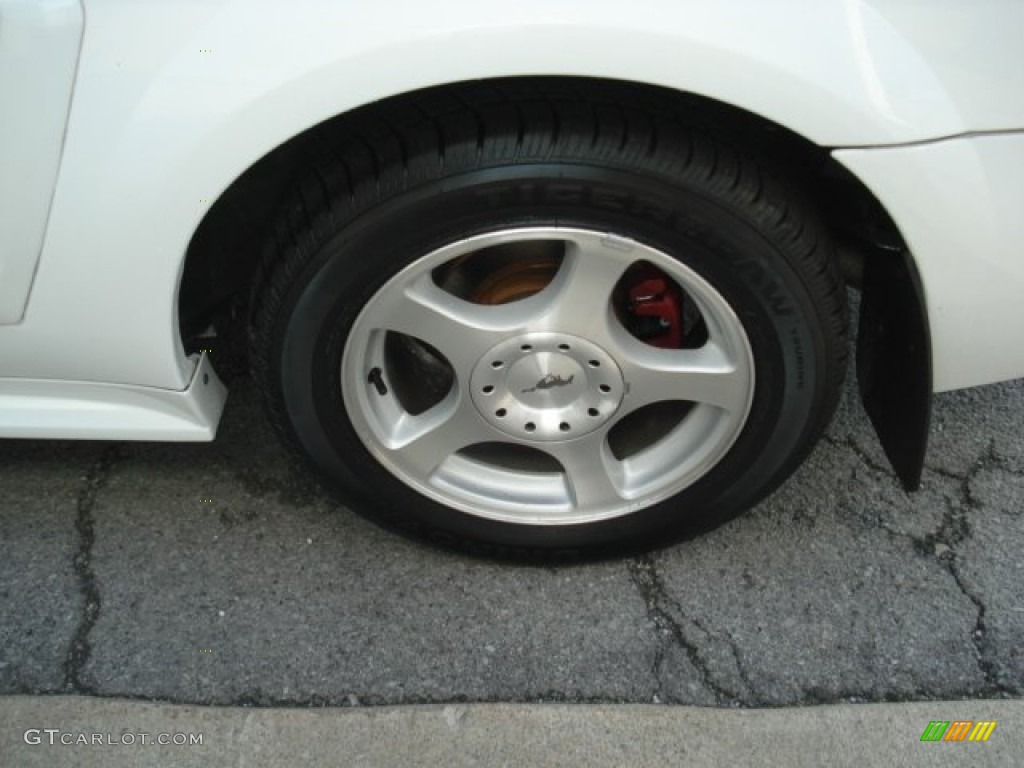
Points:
x=646 y=578
x=867 y=459
x=85 y=525
x=952 y=532
x=955 y=521
x=741 y=667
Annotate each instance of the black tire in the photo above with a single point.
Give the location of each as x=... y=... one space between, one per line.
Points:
x=429 y=171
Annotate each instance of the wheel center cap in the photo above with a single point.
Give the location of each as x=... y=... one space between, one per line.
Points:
x=546 y=386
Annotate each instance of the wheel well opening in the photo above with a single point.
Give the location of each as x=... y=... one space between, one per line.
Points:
x=226 y=250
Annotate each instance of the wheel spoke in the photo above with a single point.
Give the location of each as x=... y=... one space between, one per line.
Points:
x=424 y=441
x=578 y=299
x=704 y=375
x=459 y=330
x=591 y=472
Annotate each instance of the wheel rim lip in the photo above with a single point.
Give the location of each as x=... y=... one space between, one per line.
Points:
x=464 y=484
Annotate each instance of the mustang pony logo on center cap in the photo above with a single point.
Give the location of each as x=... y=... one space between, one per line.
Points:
x=550 y=381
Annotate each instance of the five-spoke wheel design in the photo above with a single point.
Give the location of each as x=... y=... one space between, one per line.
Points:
x=558 y=403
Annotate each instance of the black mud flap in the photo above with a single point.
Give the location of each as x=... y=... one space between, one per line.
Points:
x=894 y=361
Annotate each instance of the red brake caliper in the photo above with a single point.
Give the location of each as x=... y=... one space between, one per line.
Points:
x=656 y=304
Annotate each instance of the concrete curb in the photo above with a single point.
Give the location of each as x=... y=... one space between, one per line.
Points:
x=502 y=735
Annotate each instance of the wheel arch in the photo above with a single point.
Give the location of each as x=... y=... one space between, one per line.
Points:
x=225 y=244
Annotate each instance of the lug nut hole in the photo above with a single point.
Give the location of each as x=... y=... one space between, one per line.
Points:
x=605 y=388
x=564 y=426
x=497 y=364
x=593 y=412
x=488 y=389
x=530 y=426
x=595 y=363
x=500 y=413
x=564 y=347
x=526 y=347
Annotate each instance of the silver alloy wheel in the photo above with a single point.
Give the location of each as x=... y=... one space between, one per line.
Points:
x=553 y=372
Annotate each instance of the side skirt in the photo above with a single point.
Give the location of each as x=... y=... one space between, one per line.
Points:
x=82 y=410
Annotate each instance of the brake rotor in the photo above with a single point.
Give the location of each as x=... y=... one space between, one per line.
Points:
x=515 y=281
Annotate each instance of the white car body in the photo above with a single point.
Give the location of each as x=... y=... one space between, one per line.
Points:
x=123 y=121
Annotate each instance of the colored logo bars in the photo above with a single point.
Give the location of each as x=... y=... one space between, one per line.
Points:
x=958 y=730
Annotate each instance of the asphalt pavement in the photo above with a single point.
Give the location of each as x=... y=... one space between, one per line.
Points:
x=221 y=574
